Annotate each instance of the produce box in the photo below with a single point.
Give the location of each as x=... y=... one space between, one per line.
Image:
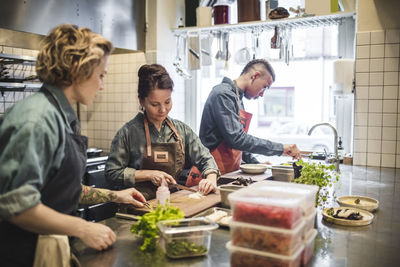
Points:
x=186 y=237
x=267 y=239
x=255 y=205
x=249 y=257
x=225 y=190
x=283 y=173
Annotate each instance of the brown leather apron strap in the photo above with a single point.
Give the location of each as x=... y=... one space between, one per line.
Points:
x=176 y=134
x=148 y=141
x=237 y=97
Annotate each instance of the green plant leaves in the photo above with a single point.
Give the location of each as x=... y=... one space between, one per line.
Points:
x=321 y=175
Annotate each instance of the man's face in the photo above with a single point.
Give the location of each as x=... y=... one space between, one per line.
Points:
x=258 y=85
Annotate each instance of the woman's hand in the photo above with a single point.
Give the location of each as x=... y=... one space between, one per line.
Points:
x=209 y=184
x=130 y=196
x=97 y=236
x=156 y=177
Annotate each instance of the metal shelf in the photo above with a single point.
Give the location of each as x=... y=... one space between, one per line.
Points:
x=298 y=22
x=16 y=73
x=19 y=86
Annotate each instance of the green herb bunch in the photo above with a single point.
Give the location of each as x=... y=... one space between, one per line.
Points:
x=324 y=176
x=146 y=226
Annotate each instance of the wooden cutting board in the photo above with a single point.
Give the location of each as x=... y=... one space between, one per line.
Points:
x=181 y=200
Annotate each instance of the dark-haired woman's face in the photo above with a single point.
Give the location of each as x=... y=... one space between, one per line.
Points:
x=157 y=105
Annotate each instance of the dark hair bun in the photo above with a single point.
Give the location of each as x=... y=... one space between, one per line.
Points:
x=152 y=70
x=151 y=77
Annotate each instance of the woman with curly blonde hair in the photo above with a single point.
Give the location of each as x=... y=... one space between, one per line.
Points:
x=43 y=155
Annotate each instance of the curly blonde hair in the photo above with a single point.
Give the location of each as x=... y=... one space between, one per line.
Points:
x=70 y=54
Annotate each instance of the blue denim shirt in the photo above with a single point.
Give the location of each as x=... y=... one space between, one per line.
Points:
x=32 y=141
x=220 y=122
x=129 y=144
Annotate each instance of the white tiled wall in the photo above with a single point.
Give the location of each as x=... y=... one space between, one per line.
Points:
x=377 y=112
x=116 y=104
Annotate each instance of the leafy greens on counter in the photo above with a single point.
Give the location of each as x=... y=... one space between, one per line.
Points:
x=146 y=226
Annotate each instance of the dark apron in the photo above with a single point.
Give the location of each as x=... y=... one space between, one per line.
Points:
x=61 y=193
x=227 y=158
x=167 y=157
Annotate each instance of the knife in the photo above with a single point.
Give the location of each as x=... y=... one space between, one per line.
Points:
x=182 y=187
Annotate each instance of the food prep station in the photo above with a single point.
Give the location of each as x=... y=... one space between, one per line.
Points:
x=335 y=245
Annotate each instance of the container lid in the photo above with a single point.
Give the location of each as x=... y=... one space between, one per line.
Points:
x=292 y=257
x=186 y=225
x=269 y=228
x=310 y=235
x=258 y=195
x=285 y=187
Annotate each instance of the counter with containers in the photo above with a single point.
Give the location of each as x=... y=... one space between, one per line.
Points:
x=375 y=244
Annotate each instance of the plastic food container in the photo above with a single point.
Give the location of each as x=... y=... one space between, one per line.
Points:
x=308 y=250
x=267 y=239
x=186 y=237
x=283 y=173
x=254 y=258
x=310 y=221
x=308 y=192
x=257 y=206
x=225 y=190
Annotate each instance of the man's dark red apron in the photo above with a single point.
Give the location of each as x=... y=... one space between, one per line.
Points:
x=167 y=157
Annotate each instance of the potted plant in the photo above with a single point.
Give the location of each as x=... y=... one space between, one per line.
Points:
x=321 y=175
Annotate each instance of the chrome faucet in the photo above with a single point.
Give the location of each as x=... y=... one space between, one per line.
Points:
x=336 y=140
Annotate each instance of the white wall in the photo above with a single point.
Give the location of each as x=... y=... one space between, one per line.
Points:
x=377 y=104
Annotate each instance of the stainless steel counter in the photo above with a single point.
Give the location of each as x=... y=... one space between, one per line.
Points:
x=377 y=244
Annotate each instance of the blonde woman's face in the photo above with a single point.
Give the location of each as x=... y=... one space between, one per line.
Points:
x=157 y=105
x=86 y=91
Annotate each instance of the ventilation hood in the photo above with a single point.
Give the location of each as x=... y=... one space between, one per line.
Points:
x=23 y=23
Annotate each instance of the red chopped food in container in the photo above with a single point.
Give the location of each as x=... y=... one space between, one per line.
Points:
x=270 y=209
x=267 y=239
x=308 y=192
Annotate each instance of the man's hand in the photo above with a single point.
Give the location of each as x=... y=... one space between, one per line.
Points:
x=291 y=150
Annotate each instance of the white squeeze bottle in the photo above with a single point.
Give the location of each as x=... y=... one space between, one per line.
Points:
x=163 y=193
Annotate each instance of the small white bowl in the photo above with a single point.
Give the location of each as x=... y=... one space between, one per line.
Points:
x=254 y=168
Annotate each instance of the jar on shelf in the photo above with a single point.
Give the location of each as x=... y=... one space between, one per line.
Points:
x=221 y=12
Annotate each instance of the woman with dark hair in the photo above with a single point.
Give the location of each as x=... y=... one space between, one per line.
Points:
x=153 y=147
x=43 y=156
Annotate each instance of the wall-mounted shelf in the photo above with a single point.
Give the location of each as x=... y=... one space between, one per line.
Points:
x=298 y=22
x=7 y=59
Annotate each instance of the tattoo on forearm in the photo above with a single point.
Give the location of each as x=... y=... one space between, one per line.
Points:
x=91 y=195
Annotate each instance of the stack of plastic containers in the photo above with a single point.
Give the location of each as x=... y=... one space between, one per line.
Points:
x=272 y=224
